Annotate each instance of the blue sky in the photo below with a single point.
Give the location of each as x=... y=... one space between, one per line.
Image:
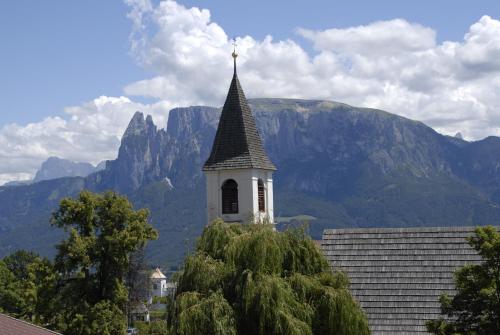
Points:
x=280 y=17
x=60 y=53
x=72 y=73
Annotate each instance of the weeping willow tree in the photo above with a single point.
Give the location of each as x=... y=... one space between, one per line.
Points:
x=249 y=279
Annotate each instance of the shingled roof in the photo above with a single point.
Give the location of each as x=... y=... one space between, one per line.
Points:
x=12 y=326
x=237 y=143
x=397 y=275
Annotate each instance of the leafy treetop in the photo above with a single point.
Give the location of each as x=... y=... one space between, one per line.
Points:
x=250 y=279
x=475 y=308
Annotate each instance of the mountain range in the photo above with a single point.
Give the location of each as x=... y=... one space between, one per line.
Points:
x=55 y=167
x=338 y=166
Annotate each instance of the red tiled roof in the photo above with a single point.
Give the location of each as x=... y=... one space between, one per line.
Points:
x=12 y=326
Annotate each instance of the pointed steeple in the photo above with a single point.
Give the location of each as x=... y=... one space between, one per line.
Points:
x=237 y=143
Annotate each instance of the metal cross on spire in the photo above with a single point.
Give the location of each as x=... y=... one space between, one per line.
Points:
x=234 y=54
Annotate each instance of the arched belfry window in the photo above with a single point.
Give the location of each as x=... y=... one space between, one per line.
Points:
x=261 y=194
x=230 y=197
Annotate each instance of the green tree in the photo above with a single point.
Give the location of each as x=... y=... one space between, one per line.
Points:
x=11 y=294
x=28 y=287
x=475 y=308
x=104 y=230
x=250 y=279
x=41 y=293
x=157 y=327
x=18 y=263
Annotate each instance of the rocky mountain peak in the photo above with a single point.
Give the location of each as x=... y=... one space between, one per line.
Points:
x=149 y=121
x=139 y=125
x=55 y=167
x=139 y=157
x=183 y=121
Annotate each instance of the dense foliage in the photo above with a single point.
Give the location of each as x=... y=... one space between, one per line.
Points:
x=250 y=279
x=84 y=291
x=28 y=288
x=475 y=309
x=104 y=230
x=156 y=327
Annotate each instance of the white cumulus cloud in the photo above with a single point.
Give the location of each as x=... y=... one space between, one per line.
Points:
x=395 y=65
x=392 y=37
x=90 y=133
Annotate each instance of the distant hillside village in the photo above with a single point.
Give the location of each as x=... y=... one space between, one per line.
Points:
x=396 y=274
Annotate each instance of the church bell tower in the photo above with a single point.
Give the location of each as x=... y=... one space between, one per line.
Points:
x=239 y=173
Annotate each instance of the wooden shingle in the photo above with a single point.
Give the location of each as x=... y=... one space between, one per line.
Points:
x=237 y=144
x=398 y=274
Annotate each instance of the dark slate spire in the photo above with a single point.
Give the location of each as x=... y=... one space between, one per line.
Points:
x=237 y=143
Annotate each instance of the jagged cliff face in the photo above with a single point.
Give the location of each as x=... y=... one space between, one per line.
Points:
x=325 y=147
x=191 y=132
x=148 y=154
x=320 y=147
x=339 y=165
x=139 y=157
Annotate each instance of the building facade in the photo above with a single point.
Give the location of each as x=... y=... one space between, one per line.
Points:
x=159 y=285
x=238 y=171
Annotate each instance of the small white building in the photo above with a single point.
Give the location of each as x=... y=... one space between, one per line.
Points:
x=160 y=287
x=158 y=283
x=239 y=173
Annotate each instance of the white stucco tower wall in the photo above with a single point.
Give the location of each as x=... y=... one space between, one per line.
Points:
x=158 y=283
x=238 y=172
x=248 y=195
